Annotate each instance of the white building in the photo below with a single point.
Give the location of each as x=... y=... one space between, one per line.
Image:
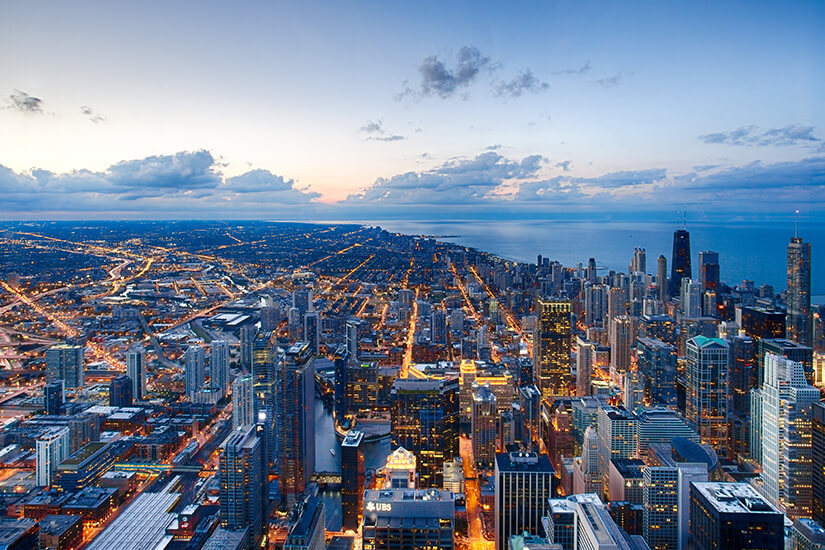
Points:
x=52 y=449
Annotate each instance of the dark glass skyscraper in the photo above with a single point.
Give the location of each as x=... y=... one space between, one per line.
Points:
x=352 y=479
x=680 y=264
x=242 y=482
x=818 y=459
x=799 y=322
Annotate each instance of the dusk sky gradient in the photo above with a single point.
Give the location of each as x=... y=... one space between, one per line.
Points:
x=353 y=110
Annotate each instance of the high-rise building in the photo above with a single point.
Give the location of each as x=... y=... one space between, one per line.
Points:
x=65 y=362
x=438 y=326
x=219 y=365
x=583 y=522
x=244 y=499
x=136 y=369
x=270 y=317
x=807 y=535
x=266 y=357
x=733 y=516
x=302 y=300
x=53 y=397
x=194 y=370
x=639 y=263
x=425 y=421
x=587 y=477
x=523 y=487
x=691 y=298
x=484 y=426
x=295 y=413
x=707 y=391
x=243 y=407
x=616 y=304
x=787 y=401
x=660 y=425
x=660 y=526
x=551 y=348
x=618 y=437
x=799 y=325
x=247 y=339
x=680 y=262
x=52 y=448
x=656 y=362
x=120 y=391
x=595 y=304
x=312 y=331
x=584 y=366
x=400 y=469
x=308 y=532
x=352 y=480
x=408 y=519
x=788 y=348
x=818 y=462
x=341 y=362
x=661 y=278
x=621 y=337
x=362 y=387
x=709 y=269
x=352 y=339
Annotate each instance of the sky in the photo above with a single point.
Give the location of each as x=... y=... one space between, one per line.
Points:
x=416 y=110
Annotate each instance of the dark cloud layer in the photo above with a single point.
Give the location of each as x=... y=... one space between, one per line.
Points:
x=793 y=134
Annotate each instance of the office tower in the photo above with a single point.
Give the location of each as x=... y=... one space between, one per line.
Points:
x=295 y=414
x=120 y=391
x=661 y=327
x=266 y=357
x=438 y=326
x=52 y=448
x=656 y=362
x=523 y=487
x=65 y=362
x=312 y=331
x=591 y=270
x=219 y=363
x=302 y=301
x=616 y=304
x=341 y=362
x=581 y=522
x=618 y=437
x=707 y=391
x=136 y=369
x=400 y=469
x=425 y=421
x=691 y=298
x=351 y=338
x=680 y=266
x=639 y=262
x=352 y=480
x=709 y=269
x=551 y=348
x=484 y=424
x=807 y=535
x=408 y=520
x=733 y=516
x=194 y=370
x=362 y=387
x=247 y=339
x=584 y=366
x=587 y=476
x=243 y=407
x=661 y=278
x=660 y=525
x=595 y=304
x=308 y=532
x=270 y=318
x=53 y=397
x=621 y=337
x=761 y=322
x=818 y=462
x=798 y=296
x=243 y=495
x=787 y=400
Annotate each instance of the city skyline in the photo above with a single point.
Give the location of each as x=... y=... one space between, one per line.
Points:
x=319 y=111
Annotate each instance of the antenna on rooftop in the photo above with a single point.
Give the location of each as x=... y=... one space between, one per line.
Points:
x=796 y=224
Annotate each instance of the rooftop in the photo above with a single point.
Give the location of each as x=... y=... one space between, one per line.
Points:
x=84 y=453
x=733 y=498
x=57 y=525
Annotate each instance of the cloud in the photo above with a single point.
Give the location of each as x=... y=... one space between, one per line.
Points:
x=564 y=165
x=25 y=103
x=376 y=131
x=524 y=82
x=440 y=80
x=387 y=138
x=793 y=134
x=93 y=116
x=580 y=70
x=611 y=81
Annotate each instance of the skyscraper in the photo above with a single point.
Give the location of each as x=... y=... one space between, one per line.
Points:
x=787 y=399
x=136 y=369
x=709 y=269
x=265 y=358
x=818 y=462
x=351 y=337
x=639 y=263
x=484 y=422
x=551 y=348
x=691 y=298
x=799 y=324
x=52 y=449
x=402 y=519
x=194 y=370
x=312 y=331
x=65 y=362
x=53 y=396
x=341 y=361
x=243 y=494
x=243 y=408
x=618 y=437
x=425 y=421
x=584 y=366
x=247 y=338
x=620 y=337
x=660 y=495
x=219 y=365
x=661 y=278
x=352 y=479
x=680 y=262
x=120 y=391
x=707 y=391
x=295 y=422
x=523 y=487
